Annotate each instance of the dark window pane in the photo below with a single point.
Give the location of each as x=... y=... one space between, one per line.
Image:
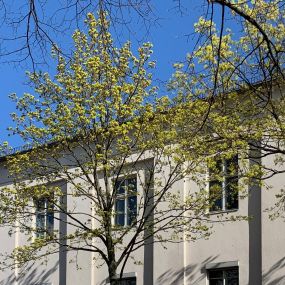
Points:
x=120 y=212
x=216 y=187
x=231 y=276
x=40 y=221
x=216 y=195
x=120 y=205
x=216 y=274
x=216 y=277
x=50 y=222
x=231 y=193
x=132 y=185
x=127 y=281
x=120 y=219
x=120 y=187
x=231 y=183
x=40 y=204
x=216 y=282
x=231 y=166
x=232 y=273
x=40 y=224
x=132 y=209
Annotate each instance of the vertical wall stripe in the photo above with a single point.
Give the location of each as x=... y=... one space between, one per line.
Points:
x=16 y=245
x=148 y=243
x=186 y=186
x=62 y=236
x=255 y=225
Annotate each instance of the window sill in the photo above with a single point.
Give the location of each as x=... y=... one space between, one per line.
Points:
x=220 y=212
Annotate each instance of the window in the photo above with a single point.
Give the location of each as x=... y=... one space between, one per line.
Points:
x=126 y=201
x=127 y=281
x=223 y=276
x=44 y=216
x=223 y=185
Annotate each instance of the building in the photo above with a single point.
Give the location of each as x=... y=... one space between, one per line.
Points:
x=240 y=252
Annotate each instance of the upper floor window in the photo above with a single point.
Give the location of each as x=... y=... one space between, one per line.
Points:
x=224 y=276
x=223 y=185
x=126 y=201
x=44 y=216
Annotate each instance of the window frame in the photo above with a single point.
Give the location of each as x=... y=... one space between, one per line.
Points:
x=225 y=186
x=125 y=197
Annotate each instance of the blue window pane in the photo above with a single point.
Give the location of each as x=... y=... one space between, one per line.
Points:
x=120 y=205
x=40 y=225
x=132 y=185
x=120 y=187
x=120 y=219
x=40 y=204
x=120 y=212
x=40 y=221
x=132 y=209
x=50 y=222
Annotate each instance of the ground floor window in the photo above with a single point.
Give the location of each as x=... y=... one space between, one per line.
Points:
x=127 y=281
x=224 y=276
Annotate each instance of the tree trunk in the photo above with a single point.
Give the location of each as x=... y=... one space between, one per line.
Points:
x=112 y=264
x=112 y=272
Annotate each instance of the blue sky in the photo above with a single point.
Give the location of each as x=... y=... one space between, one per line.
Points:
x=169 y=37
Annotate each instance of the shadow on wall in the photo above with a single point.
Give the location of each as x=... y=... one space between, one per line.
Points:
x=277 y=269
x=193 y=273
x=31 y=276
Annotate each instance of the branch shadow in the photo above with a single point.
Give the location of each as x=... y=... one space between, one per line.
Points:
x=32 y=276
x=268 y=276
x=176 y=277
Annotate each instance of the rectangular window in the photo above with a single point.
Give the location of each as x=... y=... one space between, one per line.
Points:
x=127 y=281
x=223 y=185
x=126 y=201
x=44 y=216
x=224 y=276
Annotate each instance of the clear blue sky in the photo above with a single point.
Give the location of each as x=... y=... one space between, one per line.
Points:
x=171 y=44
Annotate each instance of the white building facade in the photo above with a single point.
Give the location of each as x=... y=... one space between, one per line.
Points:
x=240 y=252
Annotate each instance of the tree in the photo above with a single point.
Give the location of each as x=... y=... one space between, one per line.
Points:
x=33 y=27
x=93 y=126
x=37 y=25
x=98 y=115
x=239 y=75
